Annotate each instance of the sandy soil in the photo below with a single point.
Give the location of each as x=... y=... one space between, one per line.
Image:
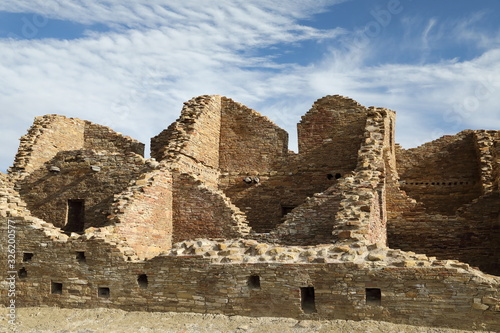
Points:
x=44 y=320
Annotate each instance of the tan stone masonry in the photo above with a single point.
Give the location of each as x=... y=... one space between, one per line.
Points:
x=225 y=219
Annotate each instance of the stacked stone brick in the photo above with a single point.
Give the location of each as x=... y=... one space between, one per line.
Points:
x=225 y=219
x=458 y=215
x=52 y=134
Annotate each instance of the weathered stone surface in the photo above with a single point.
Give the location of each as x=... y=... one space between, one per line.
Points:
x=173 y=233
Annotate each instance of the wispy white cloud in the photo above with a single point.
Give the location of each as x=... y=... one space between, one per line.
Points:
x=159 y=55
x=158 y=13
x=135 y=80
x=427 y=30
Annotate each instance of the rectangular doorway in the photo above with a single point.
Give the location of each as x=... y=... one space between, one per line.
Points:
x=75 y=220
x=307 y=299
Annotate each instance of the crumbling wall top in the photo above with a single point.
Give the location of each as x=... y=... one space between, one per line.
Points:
x=195 y=134
x=337 y=102
x=51 y=134
x=249 y=141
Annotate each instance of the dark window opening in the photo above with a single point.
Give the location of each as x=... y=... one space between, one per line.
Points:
x=338 y=175
x=80 y=257
x=286 y=209
x=307 y=300
x=103 y=292
x=142 y=281
x=27 y=257
x=23 y=273
x=56 y=288
x=373 y=296
x=75 y=216
x=254 y=282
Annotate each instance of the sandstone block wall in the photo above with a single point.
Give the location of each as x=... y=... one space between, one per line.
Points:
x=51 y=134
x=337 y=121
x=413 y=289
x=195 y=134
x=94 y=177
x=353 y=207
x=98 y=137
x=175 y=233
x=330 y=135
x=192 y=142
x=312 y=222
x=473 y=237
x=200 y=211
x=143 y=214
x=265 y=203
x=487 y=147
x=443 y=174
x=363 y=216
x=470 y=232
x=496 y=164
x=249 y=141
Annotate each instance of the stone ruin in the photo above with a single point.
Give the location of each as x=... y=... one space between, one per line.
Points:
x=223 y=218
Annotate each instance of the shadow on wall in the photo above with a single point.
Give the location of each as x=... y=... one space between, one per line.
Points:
x=443 y=175
x=330 y=135
x=75 y=189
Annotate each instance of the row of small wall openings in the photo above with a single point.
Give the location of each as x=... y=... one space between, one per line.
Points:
x=307 y=297
x=308 y=302
x=56 y=288
x=80 y=256
x=306 y=294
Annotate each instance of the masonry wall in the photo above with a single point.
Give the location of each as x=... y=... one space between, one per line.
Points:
x=362 y=216
x=466 y=162
x=252 y=149
x=94 y=177
x=429 y=293
x=192 y=142
x=195 y=134
x=201 y=212
x=51 y=134
x=471 y=239
x=481 y=240
x=249 y=142
x=443 y=174
x=98 y=137
x=330 y=135
x=353 y=205
x=128 y=263
x=312 y=222
x=142 y=214
x=265 y=203
x=331 y=132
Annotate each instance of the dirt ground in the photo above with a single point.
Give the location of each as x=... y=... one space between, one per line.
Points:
x=45 y=320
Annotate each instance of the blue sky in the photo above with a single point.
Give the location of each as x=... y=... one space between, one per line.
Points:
x=130 y=64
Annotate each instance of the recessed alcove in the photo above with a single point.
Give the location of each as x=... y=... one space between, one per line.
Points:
x=307 y=300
